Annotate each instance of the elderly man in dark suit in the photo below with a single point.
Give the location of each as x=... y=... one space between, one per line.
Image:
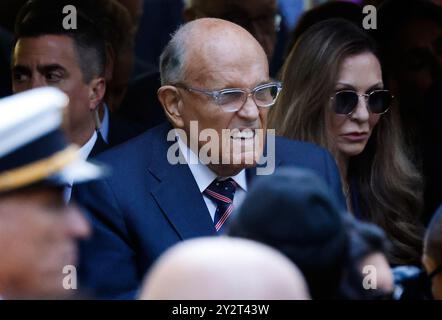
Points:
x=164 y=188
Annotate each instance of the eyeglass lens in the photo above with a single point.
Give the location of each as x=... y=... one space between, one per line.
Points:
x=346 y=101
x=234 y=99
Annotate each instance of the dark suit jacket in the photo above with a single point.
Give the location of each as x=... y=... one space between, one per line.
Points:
x=141 y=104
x=120 y=131
x=99 y=147
x=148 y=205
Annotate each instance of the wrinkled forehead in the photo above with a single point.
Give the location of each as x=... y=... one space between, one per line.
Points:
x=228 y=58
x=47 y=48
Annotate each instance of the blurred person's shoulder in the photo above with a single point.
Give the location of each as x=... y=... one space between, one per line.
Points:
x=290 y=147
x=411 y=283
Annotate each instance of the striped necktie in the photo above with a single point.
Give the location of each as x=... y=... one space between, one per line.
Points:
x=221 y=192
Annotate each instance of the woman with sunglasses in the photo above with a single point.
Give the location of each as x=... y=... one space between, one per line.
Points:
x=333 y=95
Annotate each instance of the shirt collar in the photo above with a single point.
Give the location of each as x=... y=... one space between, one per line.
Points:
x=241 y=180
x=86 y=149
x=104 y=128
x=202 y=174
x=84 y=152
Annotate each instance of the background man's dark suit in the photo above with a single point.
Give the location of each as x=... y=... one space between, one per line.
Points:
x=120 y=131
x=148 y=205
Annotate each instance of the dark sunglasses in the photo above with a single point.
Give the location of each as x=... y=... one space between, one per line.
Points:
x=346 y=101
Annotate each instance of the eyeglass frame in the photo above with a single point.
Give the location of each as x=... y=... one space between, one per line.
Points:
x=366 y=96
x=215 y=94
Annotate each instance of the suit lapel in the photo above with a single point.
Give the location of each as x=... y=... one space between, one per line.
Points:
x=177 y=193
x=99 y=146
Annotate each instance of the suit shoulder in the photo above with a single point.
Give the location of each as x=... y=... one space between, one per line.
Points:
x=285 y=145
x=138 y=148
x=294 y=152
x=122 y=151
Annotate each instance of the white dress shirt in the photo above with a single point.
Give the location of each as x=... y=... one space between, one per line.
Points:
x=204 y=177
x=86 y=149
x=84 y=152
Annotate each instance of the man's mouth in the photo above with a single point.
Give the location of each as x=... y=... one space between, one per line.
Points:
x=244 y=134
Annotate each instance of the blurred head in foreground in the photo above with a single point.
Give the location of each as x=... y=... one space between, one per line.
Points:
x=223 y=269
x=294 y=212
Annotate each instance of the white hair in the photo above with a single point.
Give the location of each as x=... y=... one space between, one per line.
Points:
x=172 y=58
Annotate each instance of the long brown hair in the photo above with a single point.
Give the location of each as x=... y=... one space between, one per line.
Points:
x=389 y=186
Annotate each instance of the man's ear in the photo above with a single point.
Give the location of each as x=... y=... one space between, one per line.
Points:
x=170 y=99
x=97 y=89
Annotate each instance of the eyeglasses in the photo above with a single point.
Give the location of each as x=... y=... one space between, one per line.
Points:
x=233 y=99
x=346 y=101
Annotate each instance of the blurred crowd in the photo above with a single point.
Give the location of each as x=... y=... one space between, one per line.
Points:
x=95 y=101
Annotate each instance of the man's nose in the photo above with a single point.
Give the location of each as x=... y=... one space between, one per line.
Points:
x=37 y=82
x=249 y=111
x=76 y=224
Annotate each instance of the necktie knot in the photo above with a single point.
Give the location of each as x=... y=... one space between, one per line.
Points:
x=221 y=192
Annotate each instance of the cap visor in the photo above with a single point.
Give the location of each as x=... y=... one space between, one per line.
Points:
x=81 y=171
x=77 y=172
